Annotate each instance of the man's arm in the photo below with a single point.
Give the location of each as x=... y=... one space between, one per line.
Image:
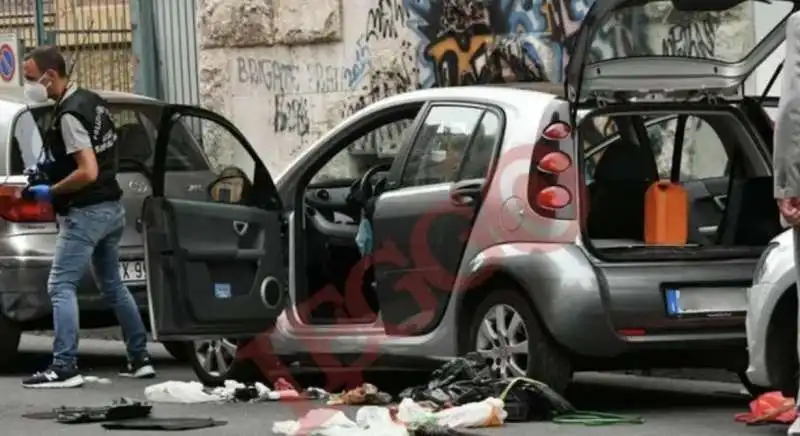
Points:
x=79 y=146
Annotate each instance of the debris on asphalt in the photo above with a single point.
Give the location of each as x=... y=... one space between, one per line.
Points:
x=771 y=407
x=122 y=408
x=365 y=395
x=407 y=418
x=179 y=392
x=123 y=414
x=470 y=380
x=163 y=424
x=231 y=391
x=98 y=380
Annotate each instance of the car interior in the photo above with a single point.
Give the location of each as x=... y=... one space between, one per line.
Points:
x=341 y=193
x=731 y=211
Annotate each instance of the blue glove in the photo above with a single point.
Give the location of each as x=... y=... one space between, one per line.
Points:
x=38 y=193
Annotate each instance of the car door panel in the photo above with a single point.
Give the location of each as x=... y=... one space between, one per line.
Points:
x=215 y=269
x=707 y=199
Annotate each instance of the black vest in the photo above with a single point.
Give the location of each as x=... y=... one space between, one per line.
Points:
x=92 y=111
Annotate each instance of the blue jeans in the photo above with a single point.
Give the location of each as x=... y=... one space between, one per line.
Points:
x=91 y=233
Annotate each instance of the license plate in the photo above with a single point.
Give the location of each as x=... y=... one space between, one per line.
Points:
x=706 y=301
x=132 y=271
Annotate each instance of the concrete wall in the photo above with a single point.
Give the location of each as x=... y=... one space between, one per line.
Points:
x=286 y=71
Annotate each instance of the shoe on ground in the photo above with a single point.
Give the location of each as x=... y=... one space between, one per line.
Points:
x=54 y=378
x=141 y=368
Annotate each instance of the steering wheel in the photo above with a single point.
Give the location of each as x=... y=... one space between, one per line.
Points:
x=358 y=191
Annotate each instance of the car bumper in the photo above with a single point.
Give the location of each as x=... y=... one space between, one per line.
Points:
x=760 y=306
x=23 y=289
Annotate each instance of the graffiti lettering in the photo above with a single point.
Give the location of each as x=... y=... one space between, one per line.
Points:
x=272 y=75
x=354 y=74
x=384 y=20
x=691 y=39
x=291 y=116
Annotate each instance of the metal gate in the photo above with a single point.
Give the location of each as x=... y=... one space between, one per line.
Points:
x=94 y=33
x=176 y=48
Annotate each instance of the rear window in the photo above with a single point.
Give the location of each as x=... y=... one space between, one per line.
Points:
x=658 y=28
x=136 y=129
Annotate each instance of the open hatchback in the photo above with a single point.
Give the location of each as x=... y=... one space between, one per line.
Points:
x=676 y=50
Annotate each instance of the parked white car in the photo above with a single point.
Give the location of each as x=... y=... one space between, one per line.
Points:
x=772 y=319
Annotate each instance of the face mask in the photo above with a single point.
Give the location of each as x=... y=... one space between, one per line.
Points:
x=35 y=91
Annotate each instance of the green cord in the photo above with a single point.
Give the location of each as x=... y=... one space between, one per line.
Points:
x=581 y=417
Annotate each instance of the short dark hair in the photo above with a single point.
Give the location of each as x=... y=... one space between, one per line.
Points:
x=48 y=57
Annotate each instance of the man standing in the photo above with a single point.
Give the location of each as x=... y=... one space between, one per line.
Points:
x=786 y=148
x=79 y=162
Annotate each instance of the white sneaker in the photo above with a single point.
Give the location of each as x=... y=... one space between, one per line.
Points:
x=794 y=429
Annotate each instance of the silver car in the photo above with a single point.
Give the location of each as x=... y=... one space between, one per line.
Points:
x=28 y=230
x=502 y=220
x=772 y=319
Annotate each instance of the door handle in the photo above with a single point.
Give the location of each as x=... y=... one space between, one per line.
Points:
x=467 y=192
x=721 y=201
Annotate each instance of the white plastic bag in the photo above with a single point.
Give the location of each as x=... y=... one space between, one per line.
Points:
x=178 y=392
x=315 y=422
x=487 y=413
x=376 y=421
x=412 y=414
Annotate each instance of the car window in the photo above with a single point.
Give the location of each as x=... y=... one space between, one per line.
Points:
x=235 y=176
x=136 y=130
x=378 y=146
x=439 y=146
x=703 y=155
x=481 y=150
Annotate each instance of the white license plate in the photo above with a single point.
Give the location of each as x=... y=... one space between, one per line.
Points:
x=706 y=301
x=132 y=271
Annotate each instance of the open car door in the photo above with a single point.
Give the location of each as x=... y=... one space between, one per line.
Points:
x=672 y=49
x=216 y=262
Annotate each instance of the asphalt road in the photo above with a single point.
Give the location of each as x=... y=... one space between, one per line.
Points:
x=669 y=406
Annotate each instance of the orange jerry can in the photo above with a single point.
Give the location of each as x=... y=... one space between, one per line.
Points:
x=666 y=215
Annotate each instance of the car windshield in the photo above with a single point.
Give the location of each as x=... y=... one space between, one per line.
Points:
x=136 y=128
x=658 y=28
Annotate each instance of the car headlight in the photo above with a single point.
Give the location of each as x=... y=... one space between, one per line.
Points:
x=761 y=266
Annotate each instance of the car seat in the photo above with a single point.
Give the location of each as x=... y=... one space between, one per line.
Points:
x=616 y=196
x=751 y=215
x=134 y=143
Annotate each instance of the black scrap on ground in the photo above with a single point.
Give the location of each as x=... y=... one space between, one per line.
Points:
x=123 y=414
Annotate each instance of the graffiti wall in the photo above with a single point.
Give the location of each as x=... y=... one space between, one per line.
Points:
x=286 y=75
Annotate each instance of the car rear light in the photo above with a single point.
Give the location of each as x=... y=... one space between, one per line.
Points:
x=554 y=197
x=555 y=162
x=16 y=209
x=557 y=131
x=552 y=173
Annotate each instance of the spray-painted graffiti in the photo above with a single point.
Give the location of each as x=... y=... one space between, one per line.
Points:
x=385 y=20
x=291 y=115
x=691 y=38
x=468 y=41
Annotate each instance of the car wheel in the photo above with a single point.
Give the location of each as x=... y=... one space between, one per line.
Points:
x=10 y=334
x=180 y=350
x=755 y=391
x=213 y=361
x=506 y=331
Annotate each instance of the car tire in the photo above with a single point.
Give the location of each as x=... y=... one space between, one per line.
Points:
x=180 y=350
x=209 y=372
x=10 y=334
x=544 y=362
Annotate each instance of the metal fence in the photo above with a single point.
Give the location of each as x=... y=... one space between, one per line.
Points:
x=176 y=48
x=97 y=34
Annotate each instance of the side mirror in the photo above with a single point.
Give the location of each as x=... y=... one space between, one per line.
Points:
x=229 y=189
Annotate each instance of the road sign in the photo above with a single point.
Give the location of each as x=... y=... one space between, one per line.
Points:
x=10 y=50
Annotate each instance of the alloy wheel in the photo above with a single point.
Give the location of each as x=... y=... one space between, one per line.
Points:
x=215 y=356
x=502 y=340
